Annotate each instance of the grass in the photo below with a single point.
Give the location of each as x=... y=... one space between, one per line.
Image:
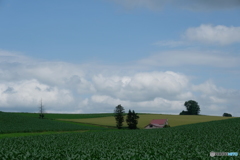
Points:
x=15 y=123
x=174 y=120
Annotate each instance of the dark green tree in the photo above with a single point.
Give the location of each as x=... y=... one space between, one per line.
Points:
x=118 y=114
x=132 y=119
x=183 y=113
x=227 y=115
x=192 y=107
x=129 y=119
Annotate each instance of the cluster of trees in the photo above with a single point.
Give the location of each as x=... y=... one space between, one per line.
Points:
x=132 y=118
x=227 y=115
x=192 y=108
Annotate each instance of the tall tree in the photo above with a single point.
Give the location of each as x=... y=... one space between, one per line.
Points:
x=118 y=114
x=132 y=119
x=129 y=119
x=135 y=120
x=192 y=107
x=41 y=110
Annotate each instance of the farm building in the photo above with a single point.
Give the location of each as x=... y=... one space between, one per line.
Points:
x=157 y=123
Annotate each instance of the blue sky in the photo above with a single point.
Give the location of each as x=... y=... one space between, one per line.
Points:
x=148 y=55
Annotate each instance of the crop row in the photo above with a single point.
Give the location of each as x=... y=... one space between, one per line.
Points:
x=13 y=123
x=194 y=141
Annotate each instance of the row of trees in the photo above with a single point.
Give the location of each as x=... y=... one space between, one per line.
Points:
x=132 y=118
x=194 y=109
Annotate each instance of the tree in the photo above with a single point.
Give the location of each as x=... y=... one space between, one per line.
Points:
x=119 y=111
x=183 y=113
x=132 y=119
x=41 y=111
x=227 y=115
x=192 y=107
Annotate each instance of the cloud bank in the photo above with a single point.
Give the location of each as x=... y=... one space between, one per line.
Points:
x=93 y=88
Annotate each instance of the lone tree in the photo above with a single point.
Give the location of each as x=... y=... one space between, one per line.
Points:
x=119 y=111
x=192 y=108
x=132 y=119
x=227 y=115
x=41 y=111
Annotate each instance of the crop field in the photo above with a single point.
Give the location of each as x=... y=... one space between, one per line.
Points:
x=174 y=120
x=194 y=141
x=14 y=123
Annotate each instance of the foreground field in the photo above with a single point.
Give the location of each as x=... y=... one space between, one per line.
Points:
x=194 y=141
x=174 y=120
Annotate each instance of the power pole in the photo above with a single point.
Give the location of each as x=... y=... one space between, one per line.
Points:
x=41 y=110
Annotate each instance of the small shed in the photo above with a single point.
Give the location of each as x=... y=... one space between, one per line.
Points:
x=157 y=123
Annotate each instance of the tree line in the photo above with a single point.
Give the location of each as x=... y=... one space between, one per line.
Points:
x=194 y=109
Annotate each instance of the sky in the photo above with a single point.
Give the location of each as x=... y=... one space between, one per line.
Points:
x=150 y=56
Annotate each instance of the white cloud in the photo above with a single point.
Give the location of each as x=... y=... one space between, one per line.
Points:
x=209 y=34
x=142 y=86
x=217 y=99
x=208 y=88
x=27 y=94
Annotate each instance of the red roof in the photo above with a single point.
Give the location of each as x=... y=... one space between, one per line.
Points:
x=158 y=121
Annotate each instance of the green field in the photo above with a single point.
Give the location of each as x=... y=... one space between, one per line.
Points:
x=15 y=123
x=194 y=141
x=174 y=120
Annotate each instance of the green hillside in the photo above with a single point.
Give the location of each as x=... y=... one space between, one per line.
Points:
x=15 y=123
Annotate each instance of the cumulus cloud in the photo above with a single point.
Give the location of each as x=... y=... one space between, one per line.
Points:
x=209 y=34
x=143 y=86
x=195 y=5
x=91 y=88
